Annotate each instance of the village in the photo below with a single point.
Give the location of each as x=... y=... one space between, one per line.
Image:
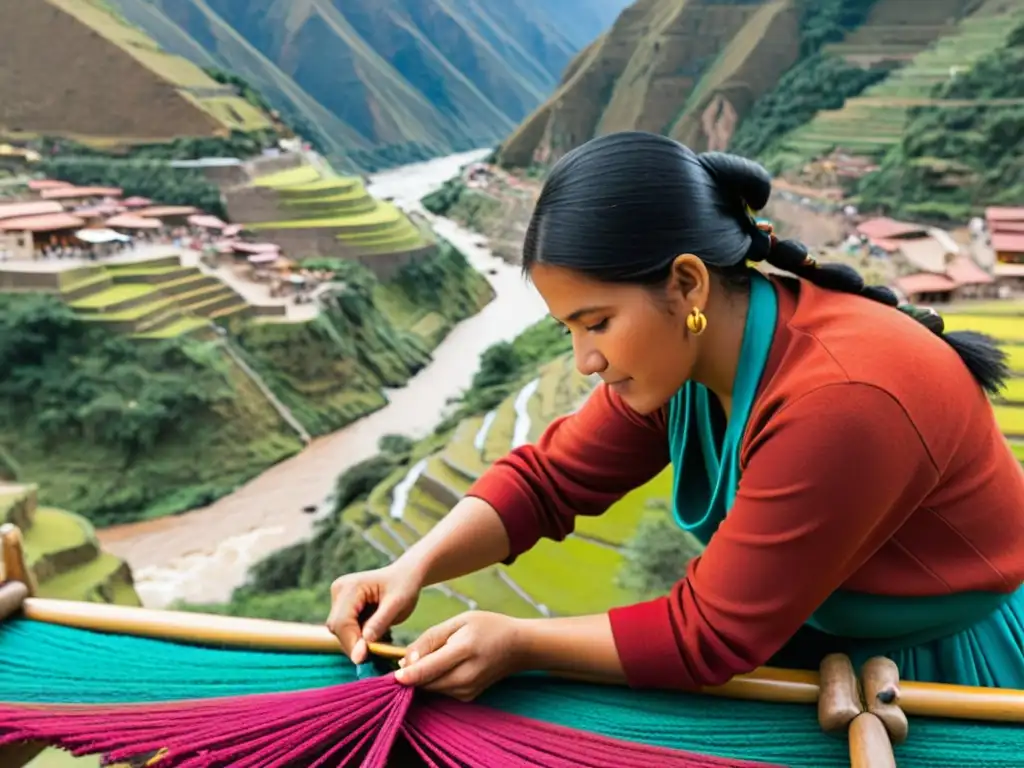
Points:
x=924 y=264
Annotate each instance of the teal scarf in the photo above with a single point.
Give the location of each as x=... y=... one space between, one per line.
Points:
x=705 y=451
x=701 y=499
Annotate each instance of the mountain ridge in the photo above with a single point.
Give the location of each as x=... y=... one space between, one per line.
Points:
x=384 y=81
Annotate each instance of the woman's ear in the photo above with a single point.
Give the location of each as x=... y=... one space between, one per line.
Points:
x=689 y=281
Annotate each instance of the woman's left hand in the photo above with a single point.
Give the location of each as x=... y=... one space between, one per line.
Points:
x=465 y=655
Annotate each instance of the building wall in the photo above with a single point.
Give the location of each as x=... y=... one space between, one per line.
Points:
x=16 y=246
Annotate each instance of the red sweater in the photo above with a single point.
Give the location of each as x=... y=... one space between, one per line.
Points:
x=871 y=462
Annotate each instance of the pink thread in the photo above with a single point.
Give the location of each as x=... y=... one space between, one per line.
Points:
x=352 y=724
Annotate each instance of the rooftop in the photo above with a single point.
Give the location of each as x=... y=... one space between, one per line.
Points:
x=1004 y=213
x=38 y=208
x=1011 y=242
x=885 y=228
x=71 y=193
x=924 y=282
x=45 y=223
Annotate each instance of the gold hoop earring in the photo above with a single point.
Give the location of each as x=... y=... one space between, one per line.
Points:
x=696 y=321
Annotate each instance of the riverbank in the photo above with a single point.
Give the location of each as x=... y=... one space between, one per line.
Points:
x=201 y=556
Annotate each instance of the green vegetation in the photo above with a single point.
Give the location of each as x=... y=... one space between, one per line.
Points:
x=472 y=208
x=962 y=152
x=330 y=371
x=816 y=82
x=154 y=179
x=120 y=430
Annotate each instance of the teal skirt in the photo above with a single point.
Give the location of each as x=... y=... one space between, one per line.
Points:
x=989 y=653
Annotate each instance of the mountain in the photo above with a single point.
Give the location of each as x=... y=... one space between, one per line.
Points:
x=376 y=82
x=72 y=68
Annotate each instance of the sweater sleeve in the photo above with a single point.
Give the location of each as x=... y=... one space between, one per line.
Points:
x=580 y=465
x=827 y=482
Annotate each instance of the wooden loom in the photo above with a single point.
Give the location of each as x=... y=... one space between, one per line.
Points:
x=870 y=711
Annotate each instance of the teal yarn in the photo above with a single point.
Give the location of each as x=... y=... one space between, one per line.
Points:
x=44 y=663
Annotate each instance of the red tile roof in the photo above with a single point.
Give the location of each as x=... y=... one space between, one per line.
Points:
x=37 y=185
x=255 y=247
x=71 y=193
x=1006 y=226
x=206 y=221
x=17 y=210
x=1004 y=213
x=162 y=211
x=45 y=223
x=884 y=228
x=963 y=271
x=131 y=221
x=1007 y=242
x=924 y=282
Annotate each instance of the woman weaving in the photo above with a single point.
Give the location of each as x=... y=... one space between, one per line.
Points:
x=838 y=457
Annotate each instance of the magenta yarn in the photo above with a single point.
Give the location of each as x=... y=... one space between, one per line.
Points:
x=345 y=725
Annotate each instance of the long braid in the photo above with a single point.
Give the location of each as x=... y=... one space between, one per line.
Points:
x=750 y=185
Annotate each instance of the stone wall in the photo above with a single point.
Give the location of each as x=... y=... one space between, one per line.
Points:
x=11 y=279
x=263 y=166
x=324 y=243
x=252 y=205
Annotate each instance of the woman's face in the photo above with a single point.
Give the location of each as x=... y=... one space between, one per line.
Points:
x=633 y=337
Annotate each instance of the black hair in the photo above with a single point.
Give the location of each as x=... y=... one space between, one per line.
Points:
x=623 y=206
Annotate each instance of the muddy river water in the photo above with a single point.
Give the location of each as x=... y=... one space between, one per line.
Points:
x=201 y=556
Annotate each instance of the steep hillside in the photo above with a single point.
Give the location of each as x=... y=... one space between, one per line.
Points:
x=52 y=53
x=784 y=81
x=120 y=430
x=687 y=68
x=383 y=81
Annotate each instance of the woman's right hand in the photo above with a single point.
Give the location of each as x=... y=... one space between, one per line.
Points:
x=394 y=589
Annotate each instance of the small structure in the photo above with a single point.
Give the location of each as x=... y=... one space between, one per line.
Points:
x=132 y=221
x=39 y=233
x=15 y=246
x=69 y=192
x=21 y=210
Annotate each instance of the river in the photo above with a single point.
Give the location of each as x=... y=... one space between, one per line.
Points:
x=202 y=555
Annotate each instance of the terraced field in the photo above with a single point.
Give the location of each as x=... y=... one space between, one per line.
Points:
x=194 y=86
x=874 y=122
x=571 y=577
x=63 y=553
x=310 y=199
x=154 y=299
x=1005 y=322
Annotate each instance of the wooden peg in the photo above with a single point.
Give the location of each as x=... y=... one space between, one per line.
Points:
x=12 y=595
x=880 y=680
x=13 y=555
x=869 y=743
x=838 y=697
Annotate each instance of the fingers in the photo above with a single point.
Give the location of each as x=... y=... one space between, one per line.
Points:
x=433 y=665
x=433 y=639
x=382 y=619
x=343 y=621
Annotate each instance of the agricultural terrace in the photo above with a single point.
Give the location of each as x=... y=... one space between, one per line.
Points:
x=308 y=198
x=63 y=553
x=873 y=122
x=1003 y=320
x=153 y=299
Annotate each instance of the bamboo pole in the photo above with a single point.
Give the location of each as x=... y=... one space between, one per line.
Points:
x=764 y=684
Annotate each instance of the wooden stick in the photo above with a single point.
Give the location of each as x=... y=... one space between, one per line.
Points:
x=12 y=596
x=869 y=743
x=12 y=554
x=765 y=684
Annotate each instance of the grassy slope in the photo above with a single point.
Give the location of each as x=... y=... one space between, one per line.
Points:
x=94 y=31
